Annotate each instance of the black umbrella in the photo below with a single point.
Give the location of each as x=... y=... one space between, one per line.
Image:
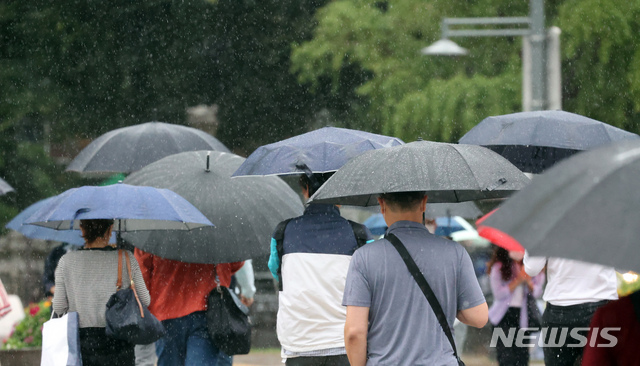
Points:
x=130 y=148
x=585 y=208
x=245 y=211
x=534 y=141
x=447 y=172
x=5 y=187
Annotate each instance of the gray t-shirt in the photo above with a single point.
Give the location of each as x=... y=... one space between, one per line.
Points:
x=403 y=329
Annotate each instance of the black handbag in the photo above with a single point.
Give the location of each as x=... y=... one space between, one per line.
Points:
x=426 y=290
x=228 y=321
x=127 y=319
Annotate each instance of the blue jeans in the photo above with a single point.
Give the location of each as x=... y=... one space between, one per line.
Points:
x=187 y=343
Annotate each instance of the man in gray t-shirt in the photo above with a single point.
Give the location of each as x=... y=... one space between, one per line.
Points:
x=389 y=320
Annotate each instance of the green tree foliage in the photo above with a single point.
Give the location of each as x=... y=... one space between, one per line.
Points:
x=602 y=60
x=440 y=98
x=260 y=101
x=87 y=67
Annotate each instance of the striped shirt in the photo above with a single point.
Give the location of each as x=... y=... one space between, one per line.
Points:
x=85 y=280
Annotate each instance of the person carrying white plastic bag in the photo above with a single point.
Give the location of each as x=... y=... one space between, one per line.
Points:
x=61 y=341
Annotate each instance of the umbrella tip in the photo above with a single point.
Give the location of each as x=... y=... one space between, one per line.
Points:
x=208 y=157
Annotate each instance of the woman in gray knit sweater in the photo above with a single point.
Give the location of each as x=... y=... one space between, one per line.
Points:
x=85 y=279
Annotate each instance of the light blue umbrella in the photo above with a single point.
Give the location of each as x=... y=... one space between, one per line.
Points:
x=321 y=151
x=5 y=187
x=38 y=232
x=376 y=224
x=134 y=208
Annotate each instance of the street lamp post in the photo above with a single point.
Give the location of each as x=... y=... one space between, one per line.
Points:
x=541 y=87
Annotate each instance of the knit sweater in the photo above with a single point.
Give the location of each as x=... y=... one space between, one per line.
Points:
x=85 y=280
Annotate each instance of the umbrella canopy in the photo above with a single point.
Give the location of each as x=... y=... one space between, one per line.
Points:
x=445 y=226
x=130 y=148
x=447 y=172
x=497 y=237
x=321 y=151
x=133 y=208
x=38 y=232
x=534 y=141
x=245 y=211
x=585 y=208
x=5 y=187
x=376 y=224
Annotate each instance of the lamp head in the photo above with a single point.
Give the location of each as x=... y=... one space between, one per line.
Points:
x=444 y=47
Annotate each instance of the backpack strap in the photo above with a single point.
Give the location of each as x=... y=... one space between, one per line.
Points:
x=360 y=232
x=278 y=236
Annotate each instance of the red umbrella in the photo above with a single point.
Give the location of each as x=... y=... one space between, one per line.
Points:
x=496 y=236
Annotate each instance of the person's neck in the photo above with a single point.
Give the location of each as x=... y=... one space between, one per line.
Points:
x=391 y=217
x=98 y=243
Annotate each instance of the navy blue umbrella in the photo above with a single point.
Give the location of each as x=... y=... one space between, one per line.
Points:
x=5 y=187
x=320 y=151
x=133 y=208
x=38 y=232
x=534 y=141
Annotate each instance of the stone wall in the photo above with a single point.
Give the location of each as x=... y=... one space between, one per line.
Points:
x=22 y=264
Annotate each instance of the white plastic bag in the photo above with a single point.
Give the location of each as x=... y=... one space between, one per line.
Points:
x=61 y=342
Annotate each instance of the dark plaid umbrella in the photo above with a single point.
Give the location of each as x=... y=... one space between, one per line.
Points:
x=130 y=148
x=447 y=172
x=320 y=151
x=534 y=141
x=245 y=211
x=5 y=187
x=585 y=208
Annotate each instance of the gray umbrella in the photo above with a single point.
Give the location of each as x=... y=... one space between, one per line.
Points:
x=5 y=187
x=534 y=141
x=447 y=172
x=245 y=211
x=584 y=208
x=130 y=148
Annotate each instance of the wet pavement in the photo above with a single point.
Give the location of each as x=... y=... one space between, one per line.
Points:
x=271 y=357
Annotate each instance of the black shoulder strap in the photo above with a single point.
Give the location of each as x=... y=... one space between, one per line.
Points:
x=360 y=232
x=426 y=289
x=278 y=236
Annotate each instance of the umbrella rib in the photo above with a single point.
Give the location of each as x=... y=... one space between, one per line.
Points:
x=469 y=166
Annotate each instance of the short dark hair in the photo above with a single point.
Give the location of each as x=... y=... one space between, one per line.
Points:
x=95 y=228
x=404 y=201
x=320 y=178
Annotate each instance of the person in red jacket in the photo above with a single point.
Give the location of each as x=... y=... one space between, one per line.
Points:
x=179 y=299
x=623 y=315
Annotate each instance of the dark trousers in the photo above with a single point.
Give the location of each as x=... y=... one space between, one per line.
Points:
x=511 y=356
x=98 y=349
x=340 y=360
x=570 y=317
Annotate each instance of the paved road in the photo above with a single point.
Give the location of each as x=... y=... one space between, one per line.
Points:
x=272 y=358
